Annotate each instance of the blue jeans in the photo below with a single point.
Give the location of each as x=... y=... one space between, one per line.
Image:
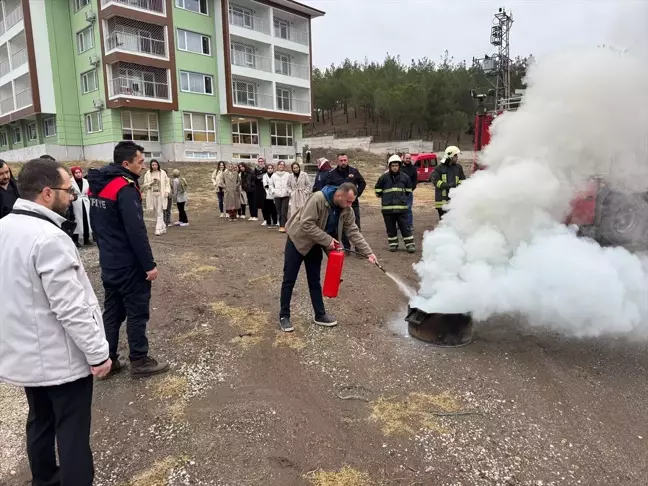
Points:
x=410 y=215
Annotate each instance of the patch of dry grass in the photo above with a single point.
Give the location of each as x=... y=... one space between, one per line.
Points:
x=251 y=322
x=177 y=410
x=346 y=476
x=266 y=279
x=414 y=412
x=156 y=475
x=171 y=386
x=288 y=340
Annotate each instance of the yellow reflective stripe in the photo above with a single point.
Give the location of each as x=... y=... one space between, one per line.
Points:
x=379 y=190
x=439 y=184
x=394 y=207
x=457 y=180
x=444 y=193
x=396 y=189
x=444 y=177
x=408 y=190
x=440 y=204
x=408 y=238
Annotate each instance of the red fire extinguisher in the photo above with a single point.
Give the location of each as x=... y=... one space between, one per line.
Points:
x=333 y=276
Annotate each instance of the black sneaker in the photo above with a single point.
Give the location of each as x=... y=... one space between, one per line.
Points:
x=326 y=321
x=118 y=365
x=285 y=325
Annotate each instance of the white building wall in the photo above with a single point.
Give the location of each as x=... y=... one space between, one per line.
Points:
x=43 y=58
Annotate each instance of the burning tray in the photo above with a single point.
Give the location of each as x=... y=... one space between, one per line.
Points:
x=443 y=330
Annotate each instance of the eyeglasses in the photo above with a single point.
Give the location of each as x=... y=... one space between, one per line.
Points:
x=69 y=190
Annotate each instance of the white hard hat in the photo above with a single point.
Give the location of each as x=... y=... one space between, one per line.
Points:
x=451 y=151
x=394 y=158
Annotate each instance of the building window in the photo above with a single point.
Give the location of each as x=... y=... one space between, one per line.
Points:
x=281 y=134
x=199 y=127
x=192 y=154
x=17 y=135
x=245 y=132
x=282 y=63
x=245 y=156
x=49 y=126
x=193 y=42
x=241 y=16
x=282 y=28
x=4 y=141
x=196 y=83
x=89 y=81
x=79 y=4
x=198 y=6
x=284 y=157
x=140 y=126
x=244 y=93
x=93 y=122
x=32 y=133
x=85 y=40
x=284 y=99
x=243 y=55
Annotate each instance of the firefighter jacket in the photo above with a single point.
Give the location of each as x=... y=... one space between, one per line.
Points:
x=445 y=177
x=393 y=189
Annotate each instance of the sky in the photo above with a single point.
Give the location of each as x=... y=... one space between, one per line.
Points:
x=415 y=29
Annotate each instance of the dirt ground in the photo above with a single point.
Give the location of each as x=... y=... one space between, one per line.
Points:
x=356 y=405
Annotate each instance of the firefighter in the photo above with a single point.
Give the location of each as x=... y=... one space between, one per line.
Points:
x=447 y=175
x=394 y=188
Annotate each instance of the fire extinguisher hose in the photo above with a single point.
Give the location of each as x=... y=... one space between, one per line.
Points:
x=366 y=256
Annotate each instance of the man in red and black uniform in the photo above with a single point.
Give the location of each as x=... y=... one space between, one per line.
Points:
x=127 y=265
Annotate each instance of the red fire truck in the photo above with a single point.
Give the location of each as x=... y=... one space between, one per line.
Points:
x=608 y=215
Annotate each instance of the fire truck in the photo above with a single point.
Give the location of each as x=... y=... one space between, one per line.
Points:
x=609 y=215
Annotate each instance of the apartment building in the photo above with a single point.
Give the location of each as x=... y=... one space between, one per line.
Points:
x=190 y=80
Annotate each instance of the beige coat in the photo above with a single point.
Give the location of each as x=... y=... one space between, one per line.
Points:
x=165 y=189
x=230 y=183
x=299 y=189
x=306 y=228
x=216 y=177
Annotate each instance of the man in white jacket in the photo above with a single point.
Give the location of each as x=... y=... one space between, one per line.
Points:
x=52 y=339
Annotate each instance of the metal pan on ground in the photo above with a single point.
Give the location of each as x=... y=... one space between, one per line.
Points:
x=441 y=330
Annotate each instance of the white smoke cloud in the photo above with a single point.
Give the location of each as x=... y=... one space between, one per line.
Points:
x=502 y=248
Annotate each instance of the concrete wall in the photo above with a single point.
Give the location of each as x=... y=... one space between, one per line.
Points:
x=366 y=144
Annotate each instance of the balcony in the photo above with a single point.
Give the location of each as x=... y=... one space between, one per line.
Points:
x=251 y=61
x=14 y=15
x=155 y=6
x=136 y=37
x=292 y=69
x=134 y=81
x=7 y=105
x=292 y=105
x=5 y=67
x=253 y=100
x=282 y=30
x=19 y=58
x=23 y=98
x=242 y=18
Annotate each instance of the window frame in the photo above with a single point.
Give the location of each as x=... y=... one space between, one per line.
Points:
x=79 y=4
x=235 y=84
x=32 y=126
x=283 y=98
x=243 y=12
x=274 y=134
x=79 y=36
x=96 y=81
x=243 y=157
x=191 y=130
x=181 y=4
x=247 y=51
x=45 y=131
x=239 y=135
x=205 y=77
x=288 y=62
x=16 y=130
x=183 y=32
x=280 y=22
x=149 y=130
x=4 y=139
x=88 y=117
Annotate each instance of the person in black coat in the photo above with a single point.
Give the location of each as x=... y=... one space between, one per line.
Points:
x=409 y=169
x=8 y=189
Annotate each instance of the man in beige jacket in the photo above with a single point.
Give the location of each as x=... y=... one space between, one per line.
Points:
x=326 y=215
x=52 y=339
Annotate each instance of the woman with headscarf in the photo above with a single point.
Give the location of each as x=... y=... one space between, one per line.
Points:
x=230 y=183
x=323 y=168
x=157 y=188
x=81 y=208
x=279 y=184
x=179 y=195
x=269 y=207
x=259 y=172
x=299 y=187
x=216 y=176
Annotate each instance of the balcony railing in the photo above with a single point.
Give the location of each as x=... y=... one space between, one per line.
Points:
x=2 y=27
x=7 y=105
x=150 y=5
x=24 y=98
x=242 y=98
x=292 y=34
x=293 y=106
x=292 y=69
x=13 y=17
x=137 y=88
x=250 y=22
x=252 y=61
x=19 y=58
x=135 y=43
x=5 y=68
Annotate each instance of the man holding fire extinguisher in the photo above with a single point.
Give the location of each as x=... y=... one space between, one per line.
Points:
x=316 y=226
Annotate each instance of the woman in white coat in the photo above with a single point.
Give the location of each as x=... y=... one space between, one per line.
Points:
x=81 y=208
x=279 y=186
x=299 y=187
x=157 y=188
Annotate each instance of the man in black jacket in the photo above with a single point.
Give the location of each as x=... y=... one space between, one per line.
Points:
x=338 y=176
x=447 y=175
x=125 y=256
x=8 y=189
x=394 y=188
x=409 y=170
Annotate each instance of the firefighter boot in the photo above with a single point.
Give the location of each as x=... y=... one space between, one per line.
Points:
x=146 y=367
x=411 y=247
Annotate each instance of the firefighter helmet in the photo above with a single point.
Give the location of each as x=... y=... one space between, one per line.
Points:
x=394 y=158
x=451 y=151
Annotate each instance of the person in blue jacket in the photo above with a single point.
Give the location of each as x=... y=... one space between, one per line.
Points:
x=125 y=256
